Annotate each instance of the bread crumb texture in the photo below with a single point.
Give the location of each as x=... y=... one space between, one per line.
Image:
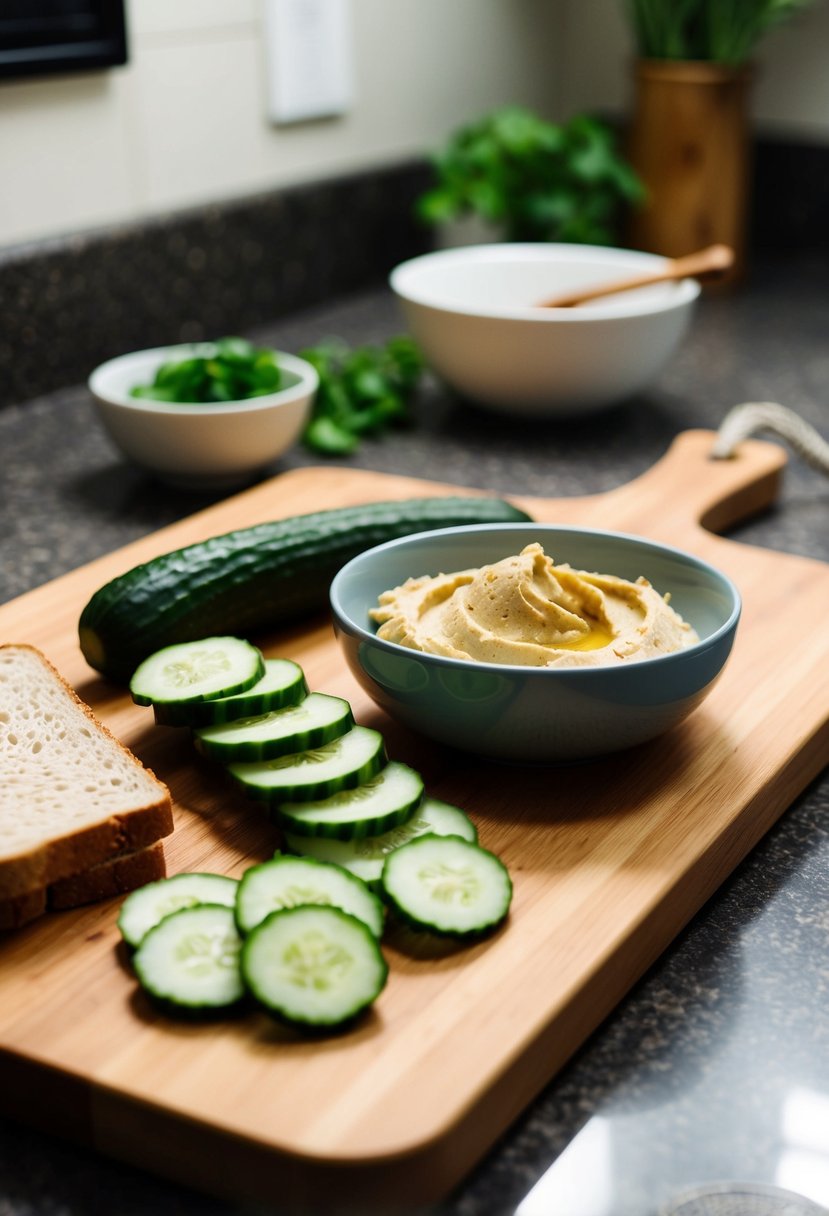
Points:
x=59 y=768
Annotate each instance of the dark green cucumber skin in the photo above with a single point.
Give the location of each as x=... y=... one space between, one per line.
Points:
x=143 y=698
x=244 y=928
x=312 y=791
x=172 y=1005
x=260 y=577
x=303 y=741
x=357 y=829
x=406 y=917
x=219 y=712
x=307 y=1024
x=343 y=831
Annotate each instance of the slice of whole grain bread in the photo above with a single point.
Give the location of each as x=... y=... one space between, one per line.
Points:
x=71 y=795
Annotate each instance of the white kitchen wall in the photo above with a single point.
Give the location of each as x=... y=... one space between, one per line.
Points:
x=185 y=121
x=790 y=97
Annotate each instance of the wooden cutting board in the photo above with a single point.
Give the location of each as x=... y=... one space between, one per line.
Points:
x=609 y=860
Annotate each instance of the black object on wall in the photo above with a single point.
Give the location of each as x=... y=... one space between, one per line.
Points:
x=42 y=37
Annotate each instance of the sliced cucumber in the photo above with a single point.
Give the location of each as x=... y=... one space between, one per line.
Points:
x=289 y=882
x=191 y=959
x=318 y=773
x=447 y=885
x=377 y=805
x=197 y=671
x=313 y=966
x=282 y=684
x=297 y=728
x=147 y=906
x=366 y=856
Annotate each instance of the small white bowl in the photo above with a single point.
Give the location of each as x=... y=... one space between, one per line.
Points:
x=210 y=446
x=475 y=314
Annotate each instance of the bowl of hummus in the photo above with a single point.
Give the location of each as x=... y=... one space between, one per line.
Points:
x=532 y=642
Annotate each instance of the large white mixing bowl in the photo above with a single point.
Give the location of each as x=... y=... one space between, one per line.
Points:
x=475 y=313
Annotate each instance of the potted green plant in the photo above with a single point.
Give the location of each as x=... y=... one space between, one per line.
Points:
x=715 y=31
x=532 y=180
x=689 y=131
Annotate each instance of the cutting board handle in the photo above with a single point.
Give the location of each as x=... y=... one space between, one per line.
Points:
x=689 y=486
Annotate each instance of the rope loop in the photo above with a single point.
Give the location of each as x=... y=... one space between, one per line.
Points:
x=745 y=420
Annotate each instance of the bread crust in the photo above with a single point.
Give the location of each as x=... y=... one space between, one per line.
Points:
x=114 y=877
x=22 y=908
x=60 y=856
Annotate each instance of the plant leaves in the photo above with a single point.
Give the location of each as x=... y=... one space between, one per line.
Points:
x=231 y=369
x=527 y=176
x=362 y=391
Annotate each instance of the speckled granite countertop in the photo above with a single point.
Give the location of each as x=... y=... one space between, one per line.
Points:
x=716 y=1066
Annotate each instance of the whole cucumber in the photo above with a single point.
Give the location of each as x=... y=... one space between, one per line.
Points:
x=254 y=578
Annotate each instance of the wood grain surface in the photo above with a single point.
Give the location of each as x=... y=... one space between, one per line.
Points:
x=609 y=859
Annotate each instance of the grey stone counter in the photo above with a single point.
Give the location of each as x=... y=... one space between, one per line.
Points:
x=716 y=1066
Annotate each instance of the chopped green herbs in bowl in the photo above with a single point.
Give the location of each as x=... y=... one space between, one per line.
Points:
x=231 y=369
x=205 y=415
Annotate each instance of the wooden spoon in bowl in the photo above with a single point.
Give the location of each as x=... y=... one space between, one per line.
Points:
x=705 y=263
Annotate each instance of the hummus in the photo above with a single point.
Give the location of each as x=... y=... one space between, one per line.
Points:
x=527 y=612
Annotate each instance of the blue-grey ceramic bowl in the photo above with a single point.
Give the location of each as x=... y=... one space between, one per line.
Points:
x=531 y=714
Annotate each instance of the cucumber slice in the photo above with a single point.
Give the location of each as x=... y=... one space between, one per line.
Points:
x=377 y=805
x=365 y=857
x=447 y=885
x=297 y=728
x=318 y=773
x=197 y=671
x=288 y=882
x=148 y=905
x=282 y=684
x=191 y=959
x=313 y=966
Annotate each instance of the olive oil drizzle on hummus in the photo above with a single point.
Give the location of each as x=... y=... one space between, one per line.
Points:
x=524 y=610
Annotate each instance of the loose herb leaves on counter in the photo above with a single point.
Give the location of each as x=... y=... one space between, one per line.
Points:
x=362 y=391
x=231 y=369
